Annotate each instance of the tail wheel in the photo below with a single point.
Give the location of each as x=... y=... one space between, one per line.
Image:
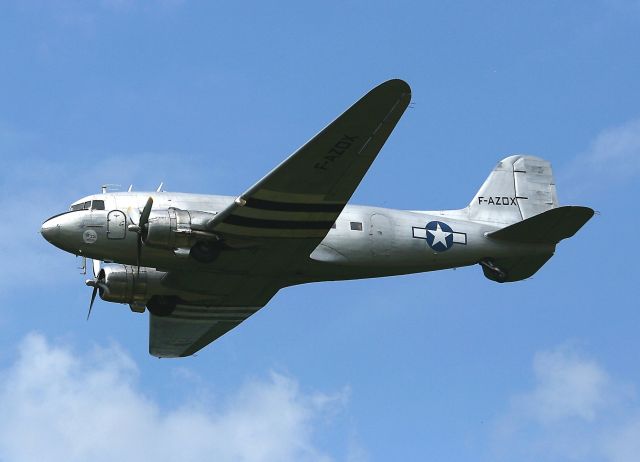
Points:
x=492 y=271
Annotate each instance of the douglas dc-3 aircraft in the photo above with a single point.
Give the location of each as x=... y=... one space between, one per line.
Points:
x=202 y=264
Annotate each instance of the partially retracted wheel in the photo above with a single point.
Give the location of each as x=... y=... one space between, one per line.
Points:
x=162 y=305
x=492 y=271
x=205 y=251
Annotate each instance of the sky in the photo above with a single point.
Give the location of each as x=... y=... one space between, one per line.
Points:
x=209 y=96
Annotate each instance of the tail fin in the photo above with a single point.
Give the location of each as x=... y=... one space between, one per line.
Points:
x=520 y=197
x=518 y=188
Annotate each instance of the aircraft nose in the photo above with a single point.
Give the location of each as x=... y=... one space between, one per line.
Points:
x=50 y=230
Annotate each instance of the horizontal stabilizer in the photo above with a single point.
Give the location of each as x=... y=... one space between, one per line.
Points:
x=548 y=227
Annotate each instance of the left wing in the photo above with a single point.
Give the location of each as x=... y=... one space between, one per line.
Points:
x=303 y=196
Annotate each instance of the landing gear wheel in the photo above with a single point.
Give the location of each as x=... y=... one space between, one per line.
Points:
x=493 y=272
x=205 y=252
x=162 y=305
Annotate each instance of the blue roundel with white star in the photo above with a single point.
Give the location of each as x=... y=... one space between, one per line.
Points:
x=439 y=236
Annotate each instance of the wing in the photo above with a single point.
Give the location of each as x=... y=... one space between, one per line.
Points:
x=193 y=326
x=303 y=196
x=190 y=328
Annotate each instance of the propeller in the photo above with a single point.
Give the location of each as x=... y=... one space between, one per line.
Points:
x=96 y=267
x=97 y=283
x=141 y=229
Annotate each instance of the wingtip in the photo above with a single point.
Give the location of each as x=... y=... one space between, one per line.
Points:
x=392 y=89
x=585 y=212
x=399 y=84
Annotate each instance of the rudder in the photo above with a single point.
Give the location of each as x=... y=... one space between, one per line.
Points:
x=518 y=188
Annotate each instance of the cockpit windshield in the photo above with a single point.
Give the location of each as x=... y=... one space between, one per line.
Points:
x=88 y=205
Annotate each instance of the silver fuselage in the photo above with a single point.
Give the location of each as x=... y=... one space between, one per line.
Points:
x=390 y=242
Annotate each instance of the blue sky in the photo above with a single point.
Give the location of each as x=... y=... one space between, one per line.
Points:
x=207 y=97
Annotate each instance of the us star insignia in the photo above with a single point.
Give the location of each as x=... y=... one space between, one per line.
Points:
x=439 y=236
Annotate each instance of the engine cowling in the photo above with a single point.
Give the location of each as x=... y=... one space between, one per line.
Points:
x=175 y=228
x=124 y=284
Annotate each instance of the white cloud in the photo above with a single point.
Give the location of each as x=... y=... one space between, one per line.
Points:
x=567 y=387
x=616 y=151
x=57 y=406
x=623 y=445
x=575 y=411
x=611 y=160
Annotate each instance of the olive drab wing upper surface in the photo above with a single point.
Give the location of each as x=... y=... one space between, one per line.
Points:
x=303 y=196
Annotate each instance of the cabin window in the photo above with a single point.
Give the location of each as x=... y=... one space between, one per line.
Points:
x=356 y=226
x=76 y=207
x=97 y=205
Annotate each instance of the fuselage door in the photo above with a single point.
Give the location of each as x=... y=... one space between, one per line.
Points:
x=381 y=235
x=116 y=224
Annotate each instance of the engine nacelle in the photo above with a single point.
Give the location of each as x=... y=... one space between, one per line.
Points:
x=124 y=285
x=174 y=228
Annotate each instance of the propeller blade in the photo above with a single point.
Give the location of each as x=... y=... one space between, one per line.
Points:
x=93 y=299
x=96 y=267
x=134 y=215
x=146 y=211
x=98 y=283
x=142 y=223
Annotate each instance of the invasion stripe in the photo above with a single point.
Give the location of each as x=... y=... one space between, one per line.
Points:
x=292 y=207
x=212 y=313
x=207 y=314
x=226 y=317
x=215 y=308
x=277 y=224
x=209 y=319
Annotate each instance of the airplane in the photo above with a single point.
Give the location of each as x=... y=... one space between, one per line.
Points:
x=202 y=264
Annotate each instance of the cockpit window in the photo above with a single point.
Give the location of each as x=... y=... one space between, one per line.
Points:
x=98 y=205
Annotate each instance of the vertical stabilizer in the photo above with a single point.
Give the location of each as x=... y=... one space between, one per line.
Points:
x=519 y=187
